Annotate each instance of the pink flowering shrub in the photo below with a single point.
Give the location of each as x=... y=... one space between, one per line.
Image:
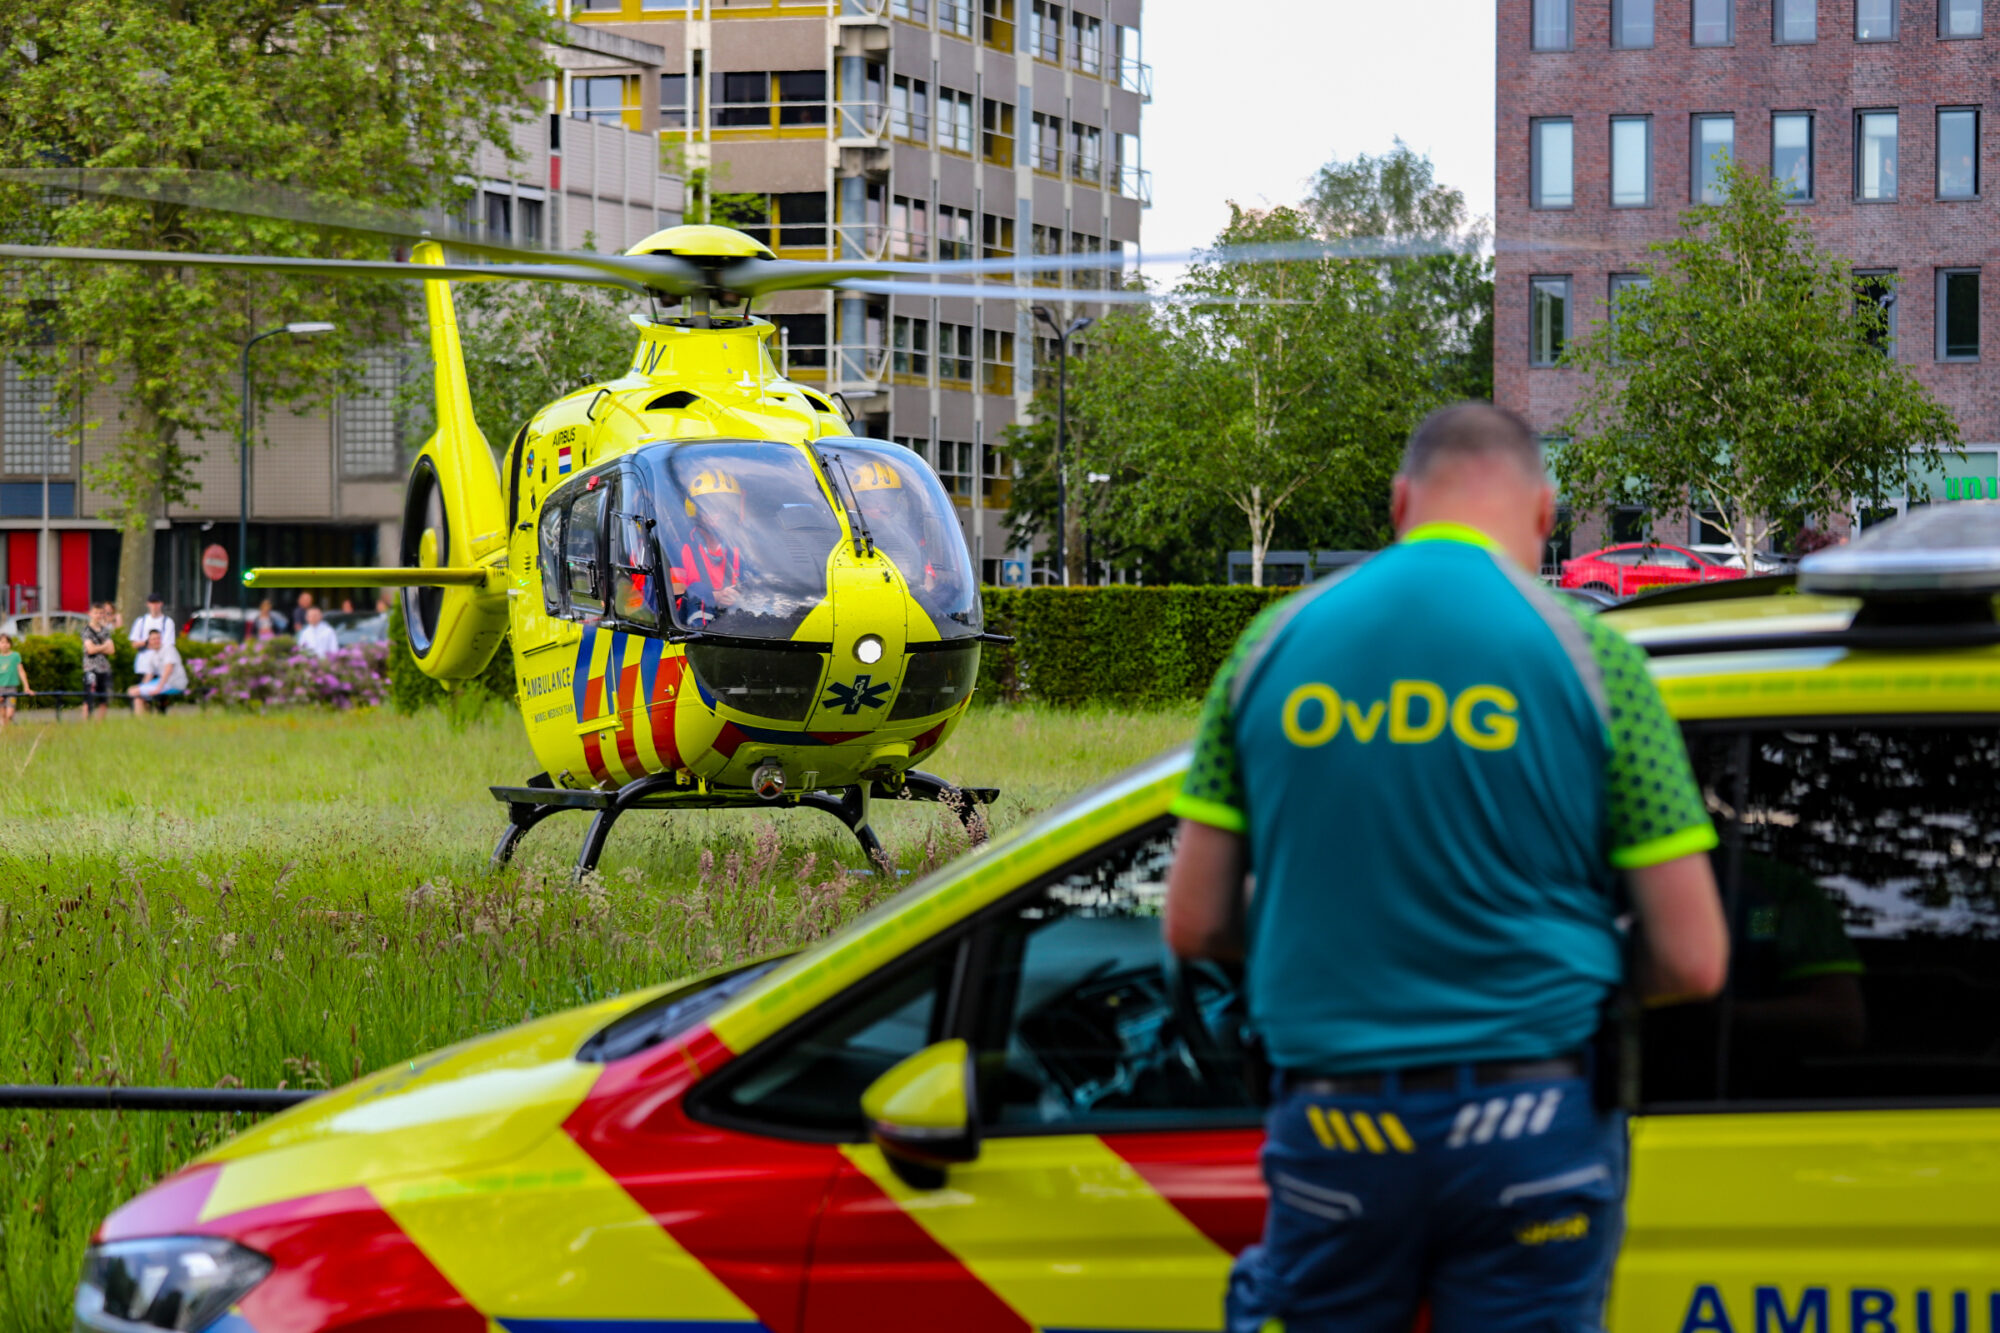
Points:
x=254 y=675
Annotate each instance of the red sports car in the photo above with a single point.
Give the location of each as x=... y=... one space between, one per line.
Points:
x=1636 y=567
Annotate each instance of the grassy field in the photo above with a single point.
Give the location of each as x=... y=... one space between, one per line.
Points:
x=293 y=900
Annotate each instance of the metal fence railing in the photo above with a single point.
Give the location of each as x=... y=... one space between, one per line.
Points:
x=77 y=1097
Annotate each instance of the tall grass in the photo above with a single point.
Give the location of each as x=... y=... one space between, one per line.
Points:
x=293 y=900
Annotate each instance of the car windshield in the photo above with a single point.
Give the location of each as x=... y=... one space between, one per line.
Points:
x=743 y=530
x=910 y=519
x=353 y=627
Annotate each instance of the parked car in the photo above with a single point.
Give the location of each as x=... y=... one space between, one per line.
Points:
x=1633 y=567
x=1764 y=562
x=993 y=1103
x=58 y=622
x=356 y=627
x=224 y=624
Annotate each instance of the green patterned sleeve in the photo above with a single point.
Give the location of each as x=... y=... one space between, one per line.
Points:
x=1213 y=792
x=1656 y=810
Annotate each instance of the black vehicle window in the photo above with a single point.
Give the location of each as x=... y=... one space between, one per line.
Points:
x=554 y=575
x=1860 y=868
x=583 y=564
x=1630 y=555
x=634 y=555
x=909 y=518
x=1082 y=1019
x=815 y=1079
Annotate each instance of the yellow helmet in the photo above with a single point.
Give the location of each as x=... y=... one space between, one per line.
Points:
x=877 y=477
x=712 y=482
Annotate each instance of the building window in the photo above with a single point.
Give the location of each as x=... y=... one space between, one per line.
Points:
x=1875 y=20
x=996 y=24
x=608 y=99
x=1714 y=22
x=996 y=141
x=955 y=17
x=996 y=235
x=909 y=228
x=1958 y=153
x=801 y=96
x=1548 y=320
x=1045 y=143
x=1631 y=161
x=910 y=109
x=1086 y=146
x=741 y=101
x=528 y=220
x=29 y=442
x=371 y=427
x=996 y=359
x=1797 y=20
x=954 y=232
x=1791 y=154
x=499 y=215
x=1045 y=31
x=1714 y=142
x=1553 y=182
x=1086 y=39
x=674 y=109
x=1877 y=288
x=1632 y=24
x=1621 y=284
x=1961 y=18
x=1875 y=153
x=1047 y=241
x=1552 y=25
x=916 y=11
x=910 y=347
x=802 y=339
x=1958 y=314
x=955 y=121
x=955 y=353
x=799 y=220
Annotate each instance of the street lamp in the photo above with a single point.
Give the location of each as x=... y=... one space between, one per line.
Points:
x=1063 y=335
x=299 y=329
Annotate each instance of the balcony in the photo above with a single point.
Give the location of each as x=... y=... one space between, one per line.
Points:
x=1136 y=76
x=1136 y=183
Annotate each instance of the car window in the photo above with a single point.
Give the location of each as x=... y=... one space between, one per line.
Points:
x=813 y=1080
x=1628 y=555
x=1082 y=1018
x=1860 y=868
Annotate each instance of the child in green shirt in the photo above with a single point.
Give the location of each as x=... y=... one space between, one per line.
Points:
x=13 y=679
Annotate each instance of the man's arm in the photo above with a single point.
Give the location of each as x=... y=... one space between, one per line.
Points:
x=1683 y=939
x=1205 y=894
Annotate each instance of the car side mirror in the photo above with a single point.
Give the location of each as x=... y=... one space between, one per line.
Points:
x=921 y=1114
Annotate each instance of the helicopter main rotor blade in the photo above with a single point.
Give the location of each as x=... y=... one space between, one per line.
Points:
x=1072 y=295
x=222 y=193
x=339 y=268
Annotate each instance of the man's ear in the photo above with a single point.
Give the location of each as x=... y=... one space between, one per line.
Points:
x=1399 y=503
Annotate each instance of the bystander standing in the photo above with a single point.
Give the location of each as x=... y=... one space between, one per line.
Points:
x=13 y=678
x=263 y=624
x=97 y=648
x=155 y=621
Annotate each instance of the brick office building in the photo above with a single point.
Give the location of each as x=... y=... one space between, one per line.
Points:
x=1610 y=113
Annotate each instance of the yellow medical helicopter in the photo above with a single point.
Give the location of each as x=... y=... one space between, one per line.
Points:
x=715 y=595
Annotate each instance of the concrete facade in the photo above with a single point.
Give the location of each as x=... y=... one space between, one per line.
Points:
x=1853 y=63
x=904 y=129
x=326 y=488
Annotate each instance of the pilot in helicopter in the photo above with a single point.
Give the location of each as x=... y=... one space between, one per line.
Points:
x=706 y=576
x=899 y=522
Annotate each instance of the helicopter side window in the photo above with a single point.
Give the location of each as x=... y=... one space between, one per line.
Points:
x=636 y=596
x=583 y=560
x=551 y=555
x=910 y=519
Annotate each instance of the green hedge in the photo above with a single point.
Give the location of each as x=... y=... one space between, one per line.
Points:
x=54 y=663
x=1114 y=644
x=411 y=690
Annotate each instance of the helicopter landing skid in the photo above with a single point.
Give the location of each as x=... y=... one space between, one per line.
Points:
x=529 y=805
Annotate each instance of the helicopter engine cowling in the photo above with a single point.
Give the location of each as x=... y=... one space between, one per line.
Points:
x=454 y=515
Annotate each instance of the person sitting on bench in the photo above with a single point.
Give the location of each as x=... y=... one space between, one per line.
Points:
x=162 y=676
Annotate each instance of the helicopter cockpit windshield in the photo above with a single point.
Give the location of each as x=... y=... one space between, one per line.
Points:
x=743 y=534
x=905 y=512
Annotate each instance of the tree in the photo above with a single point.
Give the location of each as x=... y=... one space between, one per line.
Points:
x=1448 y=295
x=1747 y=374
x=384 y=103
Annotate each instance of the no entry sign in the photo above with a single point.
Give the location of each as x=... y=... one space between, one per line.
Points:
x=215 y=563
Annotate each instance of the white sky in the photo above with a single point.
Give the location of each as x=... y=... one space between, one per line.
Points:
x=1252 y=97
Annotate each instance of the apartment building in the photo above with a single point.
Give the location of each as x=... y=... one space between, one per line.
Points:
x=905 y=130
x=325 y=488
x=1612 y=115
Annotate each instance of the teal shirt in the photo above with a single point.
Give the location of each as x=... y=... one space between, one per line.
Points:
x=10 y=671
x=1438 y=767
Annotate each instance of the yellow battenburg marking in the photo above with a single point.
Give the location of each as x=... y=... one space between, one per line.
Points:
x=1066 y=1232
x=1317 y=1119
x=1392 y=1126
x=1341 y=1130
x=1371 y=1136
x=550 y=1235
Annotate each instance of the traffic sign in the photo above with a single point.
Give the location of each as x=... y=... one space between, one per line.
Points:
x=215 y=563
x=1013 y=573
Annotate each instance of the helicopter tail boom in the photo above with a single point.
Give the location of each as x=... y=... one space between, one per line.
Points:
x=392 y=576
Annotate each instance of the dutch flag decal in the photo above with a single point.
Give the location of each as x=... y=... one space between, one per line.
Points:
x=562 y=460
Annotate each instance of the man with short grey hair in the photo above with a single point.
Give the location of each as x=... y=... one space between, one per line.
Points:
x=1450 y=786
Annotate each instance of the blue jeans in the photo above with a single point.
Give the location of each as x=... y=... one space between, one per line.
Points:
x=1502 y=1205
